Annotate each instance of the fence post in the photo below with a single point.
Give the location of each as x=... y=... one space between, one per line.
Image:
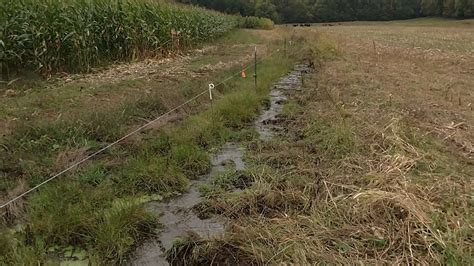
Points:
x=255 y=62
x=211 y=99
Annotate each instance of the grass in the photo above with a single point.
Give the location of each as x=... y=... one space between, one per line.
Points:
x=85 y=130
x=102 y=211
x=433 y=21
x=433 y=34
x=355 y=179
x=240 y=37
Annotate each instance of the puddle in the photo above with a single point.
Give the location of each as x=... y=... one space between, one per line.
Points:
x=266 y=123
x=177 y=216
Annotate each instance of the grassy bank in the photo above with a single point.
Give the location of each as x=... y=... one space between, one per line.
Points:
x=96 y=213
x=354 y=177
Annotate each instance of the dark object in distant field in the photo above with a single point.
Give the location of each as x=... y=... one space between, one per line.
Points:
x=328 y=25
x=302 y=25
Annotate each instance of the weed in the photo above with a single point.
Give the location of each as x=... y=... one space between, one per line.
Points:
x=74 y=214
x=336 y=140
x=193 y=160
x=240 y=37
x=227 y=181
x=120 y=229
x=193 y=251
x=64 y=213
x=93 y=175
x=148 y=173
x=13 y=253
x=237 y=109
x=291 y=109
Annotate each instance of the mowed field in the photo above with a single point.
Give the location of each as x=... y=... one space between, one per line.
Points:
x=375 y=162
x=425 y=66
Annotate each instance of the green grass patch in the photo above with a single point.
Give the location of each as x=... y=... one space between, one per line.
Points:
x=291 y=109
x=240 y=37
x=193 y=160
x=73 y=214
x=335 y=139
x=326 y=48
x=149 y=173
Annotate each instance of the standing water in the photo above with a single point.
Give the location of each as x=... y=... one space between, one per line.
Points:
x=266 y=124
x=176 y=215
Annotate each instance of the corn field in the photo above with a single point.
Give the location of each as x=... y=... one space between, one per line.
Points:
x=50 y=36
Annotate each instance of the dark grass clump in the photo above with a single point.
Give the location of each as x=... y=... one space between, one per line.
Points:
x=193 y=251
x=74 y=214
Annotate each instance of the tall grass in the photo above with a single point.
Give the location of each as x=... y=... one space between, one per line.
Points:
x=55 y=35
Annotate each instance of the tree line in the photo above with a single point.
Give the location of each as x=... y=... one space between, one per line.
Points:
x=288 y=11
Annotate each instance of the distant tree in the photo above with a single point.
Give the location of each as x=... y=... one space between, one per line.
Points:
x=448 y=8
x=404 y=9
x=292 y=10
x=266 y=9
x=323 y=11
x=288 y=11
x=460 y=7
x=332 y=10
x=243 y=7
x=431 y=7
x=469 y=12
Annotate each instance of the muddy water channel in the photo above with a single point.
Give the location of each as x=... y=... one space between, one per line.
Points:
x=267 y=122
x=176 y=215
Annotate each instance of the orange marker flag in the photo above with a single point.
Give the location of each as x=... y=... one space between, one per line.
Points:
x=244 y=75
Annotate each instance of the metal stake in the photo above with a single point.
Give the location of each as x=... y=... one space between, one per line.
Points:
x=255 y=74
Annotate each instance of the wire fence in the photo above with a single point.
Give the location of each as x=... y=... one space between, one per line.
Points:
x=139 y=129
